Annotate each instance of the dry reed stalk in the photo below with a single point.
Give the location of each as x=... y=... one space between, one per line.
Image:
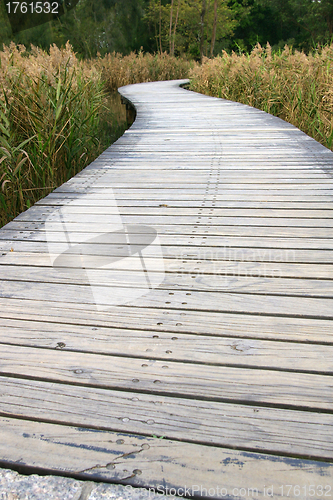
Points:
x=55 y=117
x=291 y=85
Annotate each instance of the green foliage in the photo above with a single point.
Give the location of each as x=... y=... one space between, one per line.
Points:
x=98 y=26
x=300 y=23
x=102 y=27
x=5 y=29
x=186 y=26
x=181 y=26
x=57 y=114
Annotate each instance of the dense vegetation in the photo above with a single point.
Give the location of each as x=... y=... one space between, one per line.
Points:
x=57 y=114
x=293 y=86
x=181 y=27
x=56 y=108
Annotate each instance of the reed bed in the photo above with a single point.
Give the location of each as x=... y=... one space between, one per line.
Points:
x=57 y=115
x=118 y=70
x=291 y=85
x=53 y=121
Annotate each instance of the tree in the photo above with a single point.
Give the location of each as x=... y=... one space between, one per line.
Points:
x=305 y=23
x=202 y=28
x=212 y=45
x=190 y=26
x=93 y=26
x=174 y=29
x=5 y=30
x=313 y=17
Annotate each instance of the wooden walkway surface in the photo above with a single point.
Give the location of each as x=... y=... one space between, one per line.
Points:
x=166 y=315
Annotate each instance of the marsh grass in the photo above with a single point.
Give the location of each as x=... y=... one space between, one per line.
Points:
x=291 y=85
x=118 y=70
x=58 y=113
x=55 y=118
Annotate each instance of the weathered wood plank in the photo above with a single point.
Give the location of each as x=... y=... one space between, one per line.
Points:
x=194 y=187
x=251 y=428
x=242 y=385
x=198 y=252
x=253 y=304
x=141 y=461
x=189 y=194
x=218 y=350
x=121 y=174
x=175 y=280
x=306 y=330
x=103 y=201
x=27 y=228
x=55 y=234
x=185 y=211
x=208 y=266
x=189 y=219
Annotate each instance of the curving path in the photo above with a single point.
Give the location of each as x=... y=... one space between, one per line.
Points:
x=166 y=315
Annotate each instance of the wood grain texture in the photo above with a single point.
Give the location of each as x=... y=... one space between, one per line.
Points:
x=166 y=315
x=171 y=320
x=204 y=422
x=140 y=461
x=217 y=350
x=244 y=385
x=208 y=266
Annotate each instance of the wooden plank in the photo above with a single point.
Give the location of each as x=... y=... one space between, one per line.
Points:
x=312 y=164
x=141 y=461
x=251 y=428
x=195 y=203
x=111 y=183
x=218 y=349
x=176 y=280
x=228 y=302
x=208 y=266
x=198 y=252
x=120 y=174
x=171 y=320
x=27 y=228
x=238 y=325
x=190 y=219
x=172 y=194
x=184 y=380
x=176 y=189
x=206 y=152
x=55 y=233
x=233 y=164
x=70 y=210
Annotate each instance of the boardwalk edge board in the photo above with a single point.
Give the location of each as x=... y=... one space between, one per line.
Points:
x=140 y=461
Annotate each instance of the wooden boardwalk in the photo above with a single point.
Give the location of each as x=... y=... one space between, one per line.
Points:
x=166 y=315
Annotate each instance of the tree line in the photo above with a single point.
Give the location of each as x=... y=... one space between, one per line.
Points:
x=194 y=28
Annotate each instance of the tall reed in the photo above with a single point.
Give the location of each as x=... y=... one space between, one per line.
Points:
x=291 y=85
x=55 y=114
x=118 y=70
x=54 y=120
